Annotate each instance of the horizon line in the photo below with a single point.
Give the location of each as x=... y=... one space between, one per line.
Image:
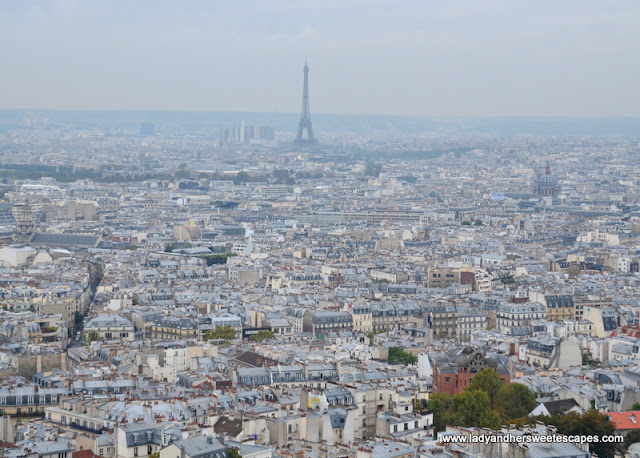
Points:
x=433 y=116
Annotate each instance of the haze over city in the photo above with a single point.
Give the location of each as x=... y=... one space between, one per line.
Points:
x=441 y=58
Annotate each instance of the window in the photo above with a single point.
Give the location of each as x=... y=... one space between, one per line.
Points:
x=416 y=424
x=149 y=449
x=395 y=428
x=406 y=408
x=406 y=426
x=135 y=451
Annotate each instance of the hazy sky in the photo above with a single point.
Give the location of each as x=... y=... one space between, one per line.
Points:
x=425 y=57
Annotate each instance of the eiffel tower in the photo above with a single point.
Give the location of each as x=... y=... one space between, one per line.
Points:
x=305 y=116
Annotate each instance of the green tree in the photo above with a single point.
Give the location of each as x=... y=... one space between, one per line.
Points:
x=212 y=259
x=135 y=300
x=587 y=358
x=398 y=355
x=473 y=408
x=635 y=406
x=262 y=335
x=440 y=404
x=233 y=452
x=630 y=438
x=241 y=177
x=168 y=248
x=225 y=333
x=590 y=423
x=514 y=400
x=488 y=381
x=91 y=336
x=182 y=174
x=155 y=455
x=466 y=223
x=77 y=319
x=477 y=223
x=373 y=333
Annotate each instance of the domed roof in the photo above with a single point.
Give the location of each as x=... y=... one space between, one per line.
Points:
x=547 y=181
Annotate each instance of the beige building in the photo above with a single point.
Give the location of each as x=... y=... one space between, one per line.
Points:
x=362 y=317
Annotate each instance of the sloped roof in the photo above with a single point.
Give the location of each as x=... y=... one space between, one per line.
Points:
x=625 y=420
x=229 y=426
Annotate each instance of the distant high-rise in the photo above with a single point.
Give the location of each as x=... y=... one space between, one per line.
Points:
x=25 y=222
x=305 y=116
x=246 y=134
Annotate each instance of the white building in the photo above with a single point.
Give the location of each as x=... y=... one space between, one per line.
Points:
x=17 y=255
x=110 y=327
x=518 y=315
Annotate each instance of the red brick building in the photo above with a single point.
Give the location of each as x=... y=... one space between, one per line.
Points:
x=454 y=369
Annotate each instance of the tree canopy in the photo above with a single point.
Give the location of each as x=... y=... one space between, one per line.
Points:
x=630 y=438
x=589 y=423
x=262 y=335
x=486 y=380
x=473 y=408
x=398 y=355
x=91 y=336
x=440 y=404
x=225 y=333
x=514 y=400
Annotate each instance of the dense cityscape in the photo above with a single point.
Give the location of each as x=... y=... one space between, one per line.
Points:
x=319 y=229
x=228 y=292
